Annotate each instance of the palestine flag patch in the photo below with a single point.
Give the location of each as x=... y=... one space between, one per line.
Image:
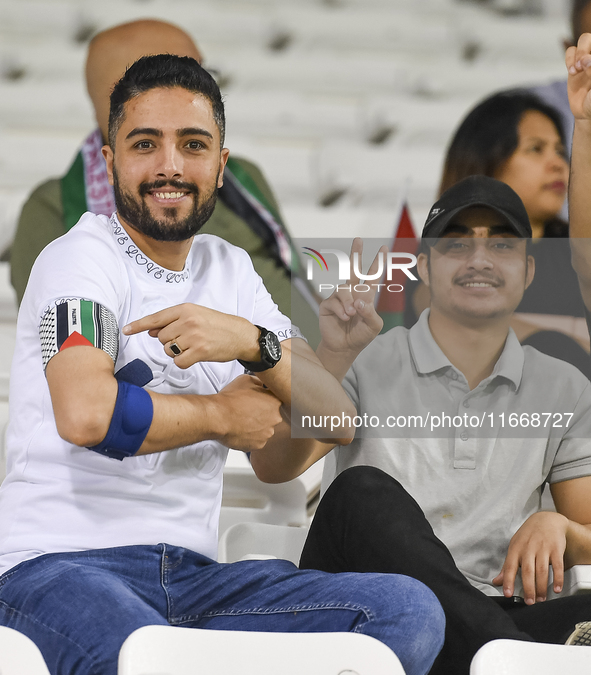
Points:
x=70 y=323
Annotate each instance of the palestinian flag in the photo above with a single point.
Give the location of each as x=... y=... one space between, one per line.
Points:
x=74 y=322
x=390 y=306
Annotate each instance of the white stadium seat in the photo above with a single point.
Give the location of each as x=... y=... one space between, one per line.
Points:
x=252 y=541
x=35 y=155
x=513 y=657
x=65 y=105
x=293 y=114
x=577 y=580
x=19 y=655
x=166 y=650
x=247 y=499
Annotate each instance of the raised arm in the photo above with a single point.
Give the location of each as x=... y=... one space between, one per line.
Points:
x=578 y=63
x=348 y=320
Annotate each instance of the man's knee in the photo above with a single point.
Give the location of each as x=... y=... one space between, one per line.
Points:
x=407 y=617
x=426 y=618
x=362 y=480
x=366 y=488
x=398 y=595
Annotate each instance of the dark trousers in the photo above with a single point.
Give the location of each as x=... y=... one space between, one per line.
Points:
x=367 y=522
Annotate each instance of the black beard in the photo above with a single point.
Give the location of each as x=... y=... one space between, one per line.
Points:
x=136 y=213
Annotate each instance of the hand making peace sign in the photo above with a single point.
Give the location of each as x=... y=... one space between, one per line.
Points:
x=348 y=318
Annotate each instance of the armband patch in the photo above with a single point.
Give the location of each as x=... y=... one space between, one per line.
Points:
x=135 y=372
x=72 y=322
x=130 y=423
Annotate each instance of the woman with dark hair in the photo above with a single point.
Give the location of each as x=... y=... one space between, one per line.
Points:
x=516 y=138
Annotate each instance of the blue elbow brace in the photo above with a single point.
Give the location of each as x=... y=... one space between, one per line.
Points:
x=130 y=423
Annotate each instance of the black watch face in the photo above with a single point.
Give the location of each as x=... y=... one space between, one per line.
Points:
x=273 y=346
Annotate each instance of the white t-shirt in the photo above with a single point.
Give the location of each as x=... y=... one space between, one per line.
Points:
x=58 y=497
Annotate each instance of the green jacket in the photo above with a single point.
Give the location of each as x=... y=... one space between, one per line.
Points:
x=42 y=220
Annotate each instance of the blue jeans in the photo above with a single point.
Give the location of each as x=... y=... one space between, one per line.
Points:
x=79 y=607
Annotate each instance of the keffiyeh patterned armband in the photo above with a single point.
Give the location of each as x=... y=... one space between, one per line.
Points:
x=71 y=322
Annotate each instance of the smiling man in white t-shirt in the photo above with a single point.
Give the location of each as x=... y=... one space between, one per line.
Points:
x=127 y=389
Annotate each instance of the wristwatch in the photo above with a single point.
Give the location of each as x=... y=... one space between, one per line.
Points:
x=270 y=352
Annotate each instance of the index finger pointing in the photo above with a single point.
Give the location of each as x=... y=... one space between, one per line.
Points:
x=152 y=321
x=356 y=251
x=375 y=265
x=570 y=58
x=582 y=52
x=373 y=270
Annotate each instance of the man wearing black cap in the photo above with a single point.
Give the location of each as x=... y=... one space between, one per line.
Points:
x=478 y=191
x=466 y=427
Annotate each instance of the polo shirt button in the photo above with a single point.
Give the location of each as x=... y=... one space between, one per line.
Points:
x=454 y=376
x=464 y=436
x=466 y=404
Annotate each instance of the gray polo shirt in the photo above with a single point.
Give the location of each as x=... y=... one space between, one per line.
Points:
x=476 y=486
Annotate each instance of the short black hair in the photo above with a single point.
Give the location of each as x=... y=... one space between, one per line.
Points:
x=164 y=71
x=577 y=9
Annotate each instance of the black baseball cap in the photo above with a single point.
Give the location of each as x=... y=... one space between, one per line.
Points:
x=477 y=191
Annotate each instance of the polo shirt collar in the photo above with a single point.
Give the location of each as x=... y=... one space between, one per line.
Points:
x=428 y=357
x=426 y=353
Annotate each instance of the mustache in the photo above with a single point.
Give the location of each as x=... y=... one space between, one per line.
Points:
x=480 y=277
x=175 y=184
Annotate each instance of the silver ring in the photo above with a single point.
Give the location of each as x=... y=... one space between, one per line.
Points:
x=175 y=349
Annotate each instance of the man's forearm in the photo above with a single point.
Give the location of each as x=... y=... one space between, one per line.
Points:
x=84 y=392
x=337 y=364
x=181 y=420
x=578 y=545
x=580 y=206
x=243 y=415
x=306 y=388
x=580 y=177
x=285 y=458
x=313 y=391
